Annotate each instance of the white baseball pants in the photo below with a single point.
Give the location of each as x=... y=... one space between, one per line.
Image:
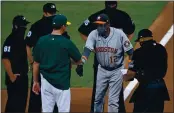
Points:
x=51 y=96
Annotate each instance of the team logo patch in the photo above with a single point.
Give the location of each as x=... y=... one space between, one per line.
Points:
x=86 y=22
x=29 y=34
x=23 y=18
x=126 y=43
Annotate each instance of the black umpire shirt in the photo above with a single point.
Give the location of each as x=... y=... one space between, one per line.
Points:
x=118 y=19
x=40 y=28
x=14 y=49
x=151 y=60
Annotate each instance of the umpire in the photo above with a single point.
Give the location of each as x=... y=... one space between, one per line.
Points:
x=118 y=19
x=38 y=29
x=14 y=58
x=149 y=66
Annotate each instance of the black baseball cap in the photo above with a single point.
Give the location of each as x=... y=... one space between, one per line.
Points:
x=60 y=20
x=110 y=3
x=50 y=8
x=20 y=20
x=102 y=19
x=144 y=34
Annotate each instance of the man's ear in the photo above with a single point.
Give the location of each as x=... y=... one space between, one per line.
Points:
x=45 y=14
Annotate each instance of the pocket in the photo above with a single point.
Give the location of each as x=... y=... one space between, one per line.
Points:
x=17 y=80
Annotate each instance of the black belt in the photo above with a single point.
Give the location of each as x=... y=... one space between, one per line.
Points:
x=154 y=81
x=157 y=80
x=111 y=68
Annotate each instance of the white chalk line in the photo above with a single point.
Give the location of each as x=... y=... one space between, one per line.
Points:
x=132 y=84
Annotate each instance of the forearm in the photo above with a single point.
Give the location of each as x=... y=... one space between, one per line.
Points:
x=84 y=37
x=130 y=74
x=29 y=54
x=130 y=53
x=75 y=63
x=130 y=57
x=130 y=36
x=7 y=66
x=84 y=57
x=35 y=71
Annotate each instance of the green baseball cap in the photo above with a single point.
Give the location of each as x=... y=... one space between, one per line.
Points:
x=60 y=20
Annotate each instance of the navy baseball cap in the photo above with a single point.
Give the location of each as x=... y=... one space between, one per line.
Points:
x=102 y=19
x=20 y=20
x=144 y=34
x=50 y=8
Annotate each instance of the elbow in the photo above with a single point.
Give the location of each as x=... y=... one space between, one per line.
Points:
x=130 y=52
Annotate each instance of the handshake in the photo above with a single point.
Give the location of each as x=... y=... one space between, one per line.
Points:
x=79 y=70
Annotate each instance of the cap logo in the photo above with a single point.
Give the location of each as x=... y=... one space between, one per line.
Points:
x=98 y=18
x=53 y=6
x=23 y=18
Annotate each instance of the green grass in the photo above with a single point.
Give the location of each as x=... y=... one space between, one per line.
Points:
x=143 y=14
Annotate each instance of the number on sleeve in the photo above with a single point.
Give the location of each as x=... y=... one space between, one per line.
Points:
x=7 y=49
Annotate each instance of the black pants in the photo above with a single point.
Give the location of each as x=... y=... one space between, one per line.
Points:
x=17 y=94
x=121 y=98
x=35 y=104
x=149 y=106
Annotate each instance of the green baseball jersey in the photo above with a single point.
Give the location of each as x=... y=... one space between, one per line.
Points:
x=53 y=52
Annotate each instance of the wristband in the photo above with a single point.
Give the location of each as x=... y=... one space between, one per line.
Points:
x=84 y=59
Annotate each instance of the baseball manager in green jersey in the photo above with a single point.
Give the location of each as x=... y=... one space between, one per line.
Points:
x=52 y=57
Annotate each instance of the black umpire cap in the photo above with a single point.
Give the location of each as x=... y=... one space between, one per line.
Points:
x=50 y=8
x=108 y=3
x=144 y=35
x=20 y=20
x=102 y=19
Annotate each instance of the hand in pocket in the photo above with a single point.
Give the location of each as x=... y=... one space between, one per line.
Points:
x=14 y=77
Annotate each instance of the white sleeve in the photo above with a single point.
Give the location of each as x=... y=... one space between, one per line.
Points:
x=126 y=42
x=90 y=43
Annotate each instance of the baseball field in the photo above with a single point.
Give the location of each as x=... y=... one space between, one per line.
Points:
x=157 y=16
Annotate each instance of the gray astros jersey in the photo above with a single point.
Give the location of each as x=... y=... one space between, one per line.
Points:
x=109 y=51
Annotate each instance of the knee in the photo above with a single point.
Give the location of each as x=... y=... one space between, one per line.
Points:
x=98 y=100
x=113 y=103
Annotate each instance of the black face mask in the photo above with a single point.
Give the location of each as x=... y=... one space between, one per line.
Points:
x=110 y=9
x=19 y=31
x=102 y=30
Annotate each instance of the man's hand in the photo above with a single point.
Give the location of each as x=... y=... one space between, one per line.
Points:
x=14 y=77
x=79 y=70
x=129 y=76
x=36 y=88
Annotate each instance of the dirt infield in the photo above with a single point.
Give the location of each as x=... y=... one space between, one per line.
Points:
x=81 y=97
